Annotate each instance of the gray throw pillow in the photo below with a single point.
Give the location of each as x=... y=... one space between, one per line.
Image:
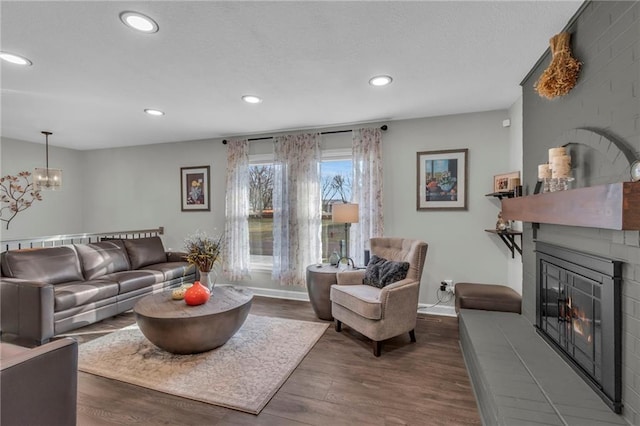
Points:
x=382 y=272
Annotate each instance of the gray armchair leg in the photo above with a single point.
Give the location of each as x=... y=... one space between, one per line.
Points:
x=338 y=326
x=412 y=335
x=377 y=348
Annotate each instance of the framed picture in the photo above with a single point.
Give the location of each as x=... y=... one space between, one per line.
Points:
x=442 y=180
x=194 y=189
x=506 y=182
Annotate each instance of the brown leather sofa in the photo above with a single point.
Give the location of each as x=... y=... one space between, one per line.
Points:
x=48 y=291
x=39 y=386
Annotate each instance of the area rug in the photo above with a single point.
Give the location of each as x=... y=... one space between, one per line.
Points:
x=243 y=374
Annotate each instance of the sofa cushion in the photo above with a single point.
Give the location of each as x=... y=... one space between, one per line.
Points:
x=134 y=280
x=382 y=272
x=145 y=251
x=71 y=294
x=102 y=258
x=364 y=300
x=51 y=265
x=172 y=270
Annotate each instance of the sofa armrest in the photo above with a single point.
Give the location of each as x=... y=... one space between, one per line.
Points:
x=350 y=277
x=26 y=309
x=176 y=256
x=40 y=385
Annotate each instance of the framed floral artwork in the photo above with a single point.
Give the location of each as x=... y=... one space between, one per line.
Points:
x=442 y=179
x=195 y=193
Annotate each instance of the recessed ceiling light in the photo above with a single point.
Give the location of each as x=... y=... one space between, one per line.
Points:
x=380 y=80
x=154 y=112
x=14 y=59
x=139 y=22
x=251 y=99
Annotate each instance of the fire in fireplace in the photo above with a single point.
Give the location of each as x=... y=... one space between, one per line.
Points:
x=578 y=313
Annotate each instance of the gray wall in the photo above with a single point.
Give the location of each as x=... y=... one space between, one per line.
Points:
x=606 y=38
x=59 y=212
x=138 y=187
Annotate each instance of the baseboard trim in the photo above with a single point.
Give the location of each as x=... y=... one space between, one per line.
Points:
x=280 y=294
x=423 y=308
x=443 y=310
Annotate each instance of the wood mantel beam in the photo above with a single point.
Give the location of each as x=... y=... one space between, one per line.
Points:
x=610 y=206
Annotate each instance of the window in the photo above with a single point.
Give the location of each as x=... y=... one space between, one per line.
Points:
x=336 y=183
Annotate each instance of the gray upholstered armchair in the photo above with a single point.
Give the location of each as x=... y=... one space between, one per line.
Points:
x=381 y=313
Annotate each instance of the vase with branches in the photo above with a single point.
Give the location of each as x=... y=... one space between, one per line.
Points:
x=16 y=195
x=204 y=253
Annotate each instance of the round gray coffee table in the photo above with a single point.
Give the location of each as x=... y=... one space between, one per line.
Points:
x=178 y=328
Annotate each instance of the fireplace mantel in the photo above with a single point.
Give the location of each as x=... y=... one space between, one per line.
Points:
x=610 y=206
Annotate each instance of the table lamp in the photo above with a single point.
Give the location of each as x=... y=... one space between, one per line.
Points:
x=346 y=213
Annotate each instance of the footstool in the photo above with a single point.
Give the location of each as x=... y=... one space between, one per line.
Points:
x=487 y=297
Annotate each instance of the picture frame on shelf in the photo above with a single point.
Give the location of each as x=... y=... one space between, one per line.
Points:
x=506 y=182
x=195 y=192
x=442 y=179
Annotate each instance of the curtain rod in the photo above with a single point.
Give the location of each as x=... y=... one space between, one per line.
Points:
x=383 y=128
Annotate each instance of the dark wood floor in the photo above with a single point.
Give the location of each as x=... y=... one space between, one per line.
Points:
x=339 y=382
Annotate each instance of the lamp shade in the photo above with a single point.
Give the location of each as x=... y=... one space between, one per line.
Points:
x=45 y=178
x=345 y=213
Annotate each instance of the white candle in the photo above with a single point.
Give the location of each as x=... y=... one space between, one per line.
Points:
x=561 y=166
x=544 y=172
x=556 y=152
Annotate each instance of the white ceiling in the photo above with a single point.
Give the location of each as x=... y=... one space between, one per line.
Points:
x=311 y=61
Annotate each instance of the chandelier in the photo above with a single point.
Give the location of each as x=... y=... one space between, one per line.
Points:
x=46 y=178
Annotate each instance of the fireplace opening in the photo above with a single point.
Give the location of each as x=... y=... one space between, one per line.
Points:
x=578 y=313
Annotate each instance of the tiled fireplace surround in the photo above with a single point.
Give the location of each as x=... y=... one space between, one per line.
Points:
x=606 y=39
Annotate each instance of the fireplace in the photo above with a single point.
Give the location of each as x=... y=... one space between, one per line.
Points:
x=578 y=312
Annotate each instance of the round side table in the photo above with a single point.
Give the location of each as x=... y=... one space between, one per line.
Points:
x=319 y=280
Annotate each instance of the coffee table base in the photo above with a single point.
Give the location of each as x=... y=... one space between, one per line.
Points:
x=192 y=334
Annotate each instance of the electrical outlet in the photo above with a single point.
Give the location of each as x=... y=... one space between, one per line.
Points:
x=449 y=285
x=446 y=285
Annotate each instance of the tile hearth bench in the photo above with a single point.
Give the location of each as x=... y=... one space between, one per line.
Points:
x=519 y=380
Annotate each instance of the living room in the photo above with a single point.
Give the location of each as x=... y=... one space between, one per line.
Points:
x=137 y=187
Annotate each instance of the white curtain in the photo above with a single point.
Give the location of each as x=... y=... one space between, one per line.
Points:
x=297 y=205
x=367 y=190
x=235 y=262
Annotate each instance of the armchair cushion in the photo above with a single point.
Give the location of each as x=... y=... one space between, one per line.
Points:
x=382 y=272
x=350 y=277
x=364 y=300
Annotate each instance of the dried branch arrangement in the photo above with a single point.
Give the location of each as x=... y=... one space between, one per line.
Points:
x=16 y=195
x=562 y=73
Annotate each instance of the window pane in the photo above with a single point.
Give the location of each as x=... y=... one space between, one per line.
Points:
x=261 y=213
x=336 y=184
x=336 y=188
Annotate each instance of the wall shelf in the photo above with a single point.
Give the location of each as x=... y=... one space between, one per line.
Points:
x=508 y=237
x=612 y=206
x=501 y=195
